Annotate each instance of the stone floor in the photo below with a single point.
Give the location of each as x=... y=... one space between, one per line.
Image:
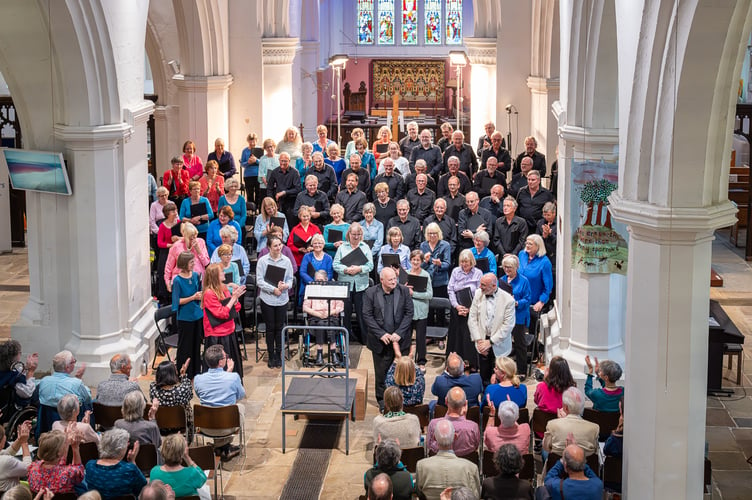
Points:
x=266 y=468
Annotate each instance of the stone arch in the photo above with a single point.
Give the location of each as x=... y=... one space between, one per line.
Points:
x=203 y=37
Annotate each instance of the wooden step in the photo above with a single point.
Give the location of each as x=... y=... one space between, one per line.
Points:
x=739 y=196
x=739 y=171
x=715 y=279
x=742 y=185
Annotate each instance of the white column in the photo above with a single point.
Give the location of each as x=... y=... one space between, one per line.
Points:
x=277 y=55
x=308 y=105
x=543 y=93
x=204 y=106
x=589 y=306
x=94 y=246
x=482 y=55
x=667 y=319
x=168 y=142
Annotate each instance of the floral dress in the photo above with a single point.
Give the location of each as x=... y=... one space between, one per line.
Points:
x=411 y=394
x=60 y=478
x=179 y=395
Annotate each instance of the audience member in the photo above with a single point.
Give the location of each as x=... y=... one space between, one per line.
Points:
x=509 y=461
x=445 y=469
x=65 y=379
x=13 y=470
x=505 y=384
x=388 y=455
x=171 y=389
x=13 y=373
x=111 y=392
x=454 y=376
x=68 y=409
x=558 y=379
x=406 y=376
x=571 y=477
x=185 y=480
x=395 y=423
x=143 y=430
x=50 y=469
x=115 y=473
x=509 y=431
x=608 y=397
x=381 y=488
x=571 y=424
x=466 y=432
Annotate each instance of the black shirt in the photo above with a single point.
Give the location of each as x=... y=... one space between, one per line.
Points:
x=509 y=237
x=454 y=205
x=539 y=162
x=319 y=201
x=420 y=204
x=407 y=145
x=384 y=213
x=395 y=182
x=410 y=182
x=432 y=157
x=466 y=155
x=448 y=229
x=287 y=181
x=530 y=207
x=411 y=234
x=327 y=180
x=352 y=203
x=443 y=185
x=484 y=181
x=364 y=179
x=502 y=156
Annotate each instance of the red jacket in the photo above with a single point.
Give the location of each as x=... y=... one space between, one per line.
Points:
x=212 y=304
x=182 y=183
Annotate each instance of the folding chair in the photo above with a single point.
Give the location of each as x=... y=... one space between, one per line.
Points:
x=105 y=416
x=88 y=451
x=222 y=417
x=410 y=457
x=164 y=341
x=489 y=467
x=422 y=412
x=146 y=458
x=171 y=420
x=540 y=419
x=205 y=458
x=437 y=332
x=607 y=421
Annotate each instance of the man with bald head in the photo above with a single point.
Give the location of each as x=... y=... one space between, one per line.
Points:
x=519 y=180
x=580 y=481
x=387 y=315
x=468 y=162
x=454 y=376
x=381 y=488
x=490 y=321
x=445 y=469
x=421 y=198
x=466 y=432
x=494 y=201
x=489 y=177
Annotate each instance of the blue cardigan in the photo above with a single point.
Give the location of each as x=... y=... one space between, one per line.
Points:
x=240 y=209
x=538 y=273
x=185 y=213
x=521 y=292
x=443 y=252
x=213 y=239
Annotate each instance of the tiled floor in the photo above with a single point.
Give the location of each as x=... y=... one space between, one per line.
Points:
x=729 y=421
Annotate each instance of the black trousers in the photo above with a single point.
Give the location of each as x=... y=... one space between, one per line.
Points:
x=190 y=338
x=275 y=318
x=356 y=301
x=253 y=190
x=486 y=365
x=321 y=334
x=420 y=340
x=381 y=364
x=519 y=348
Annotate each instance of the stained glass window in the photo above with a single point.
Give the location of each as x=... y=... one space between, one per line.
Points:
x=386 y=22
x=409 y=22
x=365 y=22
x=454 y=22
x=433 y=22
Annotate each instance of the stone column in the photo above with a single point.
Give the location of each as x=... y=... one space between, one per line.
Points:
x=277 y=55
x=543 y=93
x=308 y=104
x=591 y=316
x=667 y=319
x=166 y=130
x=481 y=53
x=204 y=109
x=94 y=245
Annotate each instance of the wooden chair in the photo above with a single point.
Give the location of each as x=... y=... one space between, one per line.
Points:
x=205 y=458
x=221 y=417
x=60 y=496
x=474 y=457
x=737 y=350
x=171 y=420
x=439 y=411
x=146 y=458
x=422 y=412
x=105 y=416
x=611 y=473
x=489 y=467
x=528 y=469
x=88 y=451
x=410 y=457
x=606 y=421
x=540 y=419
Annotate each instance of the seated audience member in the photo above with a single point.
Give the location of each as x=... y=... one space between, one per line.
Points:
x=50 y=470
x=112 y=391
x=509 y=432
x=185 y=480
x=571 y=477
x=22 y=380
x=68 y=409
x=454 y=376
x=606 y=398
x=114 y=475
x=466 y=432
x=505 y=384
x=64 y=381
x=458 y=493
x=395 y=423
x=171 y=389
x=388 y=455
x=509 y=462
x=445 y=469
x=405 y=375
x=381 y=488
x=570 y=422
x=13 y=470
x=558 y=378
x=218 y=387
x=142 y=430
x=22 y=492
x=155 y=490
x=323 y=312
x=614 y=446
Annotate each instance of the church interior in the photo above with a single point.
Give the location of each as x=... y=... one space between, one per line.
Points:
x=642 y=109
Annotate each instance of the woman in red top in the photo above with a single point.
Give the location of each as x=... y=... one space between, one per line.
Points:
x=176 y=180
x=165 y=239
x=50 y=470
x=385 y=137
x=191 y=161
x=212 y=185
x=299 y=241
x=219 y=318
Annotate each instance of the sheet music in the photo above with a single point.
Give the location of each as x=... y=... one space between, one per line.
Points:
x=329 y=290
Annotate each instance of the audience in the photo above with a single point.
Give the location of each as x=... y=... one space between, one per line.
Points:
x=509 y=462
x=395 y=423
x=571 y=477
x=570 y=424
x=388 y=455
x=115 y=472
x=50 y=469
x=445 y=469
x=145 y=431
x=22 y=380
x=65 y=379
x=606 y=398
x=112 y=391
x=405 y=375
x=509 y=432
x=171 y=389
x=505 y=384
x=69 y=409
x=381 y=488
x=454 y=376
x=13 y=470
x=466 y=432
x=185 y=480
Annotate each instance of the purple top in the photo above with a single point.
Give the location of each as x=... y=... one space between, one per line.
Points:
x=460 y=279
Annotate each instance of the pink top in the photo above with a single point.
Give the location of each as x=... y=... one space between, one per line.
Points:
x=89 y=436
x=200 y=262
x=321 y=305
x=164 y=236
x=215 y=192
x=518 y=435
x=194 y=166
x=547 y=399
x=155 y=214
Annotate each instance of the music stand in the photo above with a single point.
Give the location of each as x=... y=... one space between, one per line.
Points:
x=329 y=291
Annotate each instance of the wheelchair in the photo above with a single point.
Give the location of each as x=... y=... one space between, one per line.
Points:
x=309 y=340
x=14 y=411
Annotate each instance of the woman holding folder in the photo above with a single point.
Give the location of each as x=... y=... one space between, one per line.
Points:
x=463 y=282
x=334 y=232
x=220 y=310
x=268 y=217
x=196 y=209
x=301 y=235
x=421 y=291
x=273 y=279
x=312 y=263
x=352 y=263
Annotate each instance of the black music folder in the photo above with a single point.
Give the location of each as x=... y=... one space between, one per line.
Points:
x=419 y=283
x=482 y=264
x=370 y=243
x=198 y=209
x=215 y=321
x=382 y=147
x=474 y=222
x=334 y=235
x=274 y=274
x=175 y=230
x=390 y=260
x=228 y=277
x=464 y=296
x=300 y=242
x=241 y=271
x=278 y=221
x=355 y=258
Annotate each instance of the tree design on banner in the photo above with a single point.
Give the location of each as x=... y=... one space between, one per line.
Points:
x=365 y=22
x=597 y=246
x=409 y=22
